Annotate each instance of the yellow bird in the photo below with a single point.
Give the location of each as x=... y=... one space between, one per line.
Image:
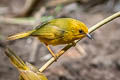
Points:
x=56 y=32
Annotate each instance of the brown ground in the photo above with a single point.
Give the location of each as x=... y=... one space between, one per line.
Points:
x=101 y=61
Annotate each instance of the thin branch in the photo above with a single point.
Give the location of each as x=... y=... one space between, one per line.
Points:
x=98 y=25
x=30 y=21
x=93 y=28
x=80 y=50
x=53 y=3
x=29 y=4
x=24 y=21
x=33 y=53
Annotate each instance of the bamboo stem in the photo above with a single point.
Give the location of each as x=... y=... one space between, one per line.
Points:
x=93 y=28
x=98 y=25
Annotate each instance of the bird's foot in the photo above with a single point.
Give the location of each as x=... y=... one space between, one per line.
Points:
x=74 y=44
x=55 y=57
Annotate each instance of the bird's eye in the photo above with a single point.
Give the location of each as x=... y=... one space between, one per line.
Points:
x=80 y=31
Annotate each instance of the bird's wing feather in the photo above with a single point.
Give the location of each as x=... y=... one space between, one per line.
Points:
x=49 y=32
x=42 y=24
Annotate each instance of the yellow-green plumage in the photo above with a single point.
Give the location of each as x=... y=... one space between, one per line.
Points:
x=58 y=31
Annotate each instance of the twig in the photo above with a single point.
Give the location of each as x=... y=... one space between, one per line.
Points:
x=23 y=21
x=29 y=4
x=98 y=25
x=39 y=14
x=93 y=28
x=34 y=50
x=53 y=3
x=80 y=50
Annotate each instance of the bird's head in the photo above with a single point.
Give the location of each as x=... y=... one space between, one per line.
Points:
x=82 y=31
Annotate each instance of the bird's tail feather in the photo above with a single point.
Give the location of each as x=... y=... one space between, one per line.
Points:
x=20 y=35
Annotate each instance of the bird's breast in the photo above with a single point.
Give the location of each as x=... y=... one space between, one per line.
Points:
x=55 y=42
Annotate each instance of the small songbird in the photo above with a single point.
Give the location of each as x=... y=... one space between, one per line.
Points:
x=56 y=32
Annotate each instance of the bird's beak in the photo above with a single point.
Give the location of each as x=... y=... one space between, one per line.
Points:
x=89 y=36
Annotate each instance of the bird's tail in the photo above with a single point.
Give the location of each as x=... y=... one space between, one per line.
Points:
x=20 y=35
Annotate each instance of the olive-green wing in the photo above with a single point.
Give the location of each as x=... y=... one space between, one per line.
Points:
x=49 y=32
x=42 y=25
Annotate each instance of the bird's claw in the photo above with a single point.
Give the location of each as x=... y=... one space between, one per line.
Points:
x=55 y=57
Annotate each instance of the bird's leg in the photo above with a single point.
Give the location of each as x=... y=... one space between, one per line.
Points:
x=52 y=53
x=74 y=44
